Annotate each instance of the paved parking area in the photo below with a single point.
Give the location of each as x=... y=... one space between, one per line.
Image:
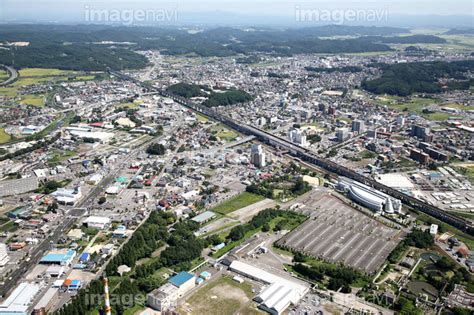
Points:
x=337 y=232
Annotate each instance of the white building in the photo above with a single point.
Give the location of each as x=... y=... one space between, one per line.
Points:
x=257 y=155
x=298 y=137
x=342 y=134
x=369 y=197
x=20 y=299
x=280 y=293
x=166 y=296
x=100 y=223
x=400 y=121
x=67 y=196
x=95 y=179
x=434 y=229
x=3 y=255
x=262 y=121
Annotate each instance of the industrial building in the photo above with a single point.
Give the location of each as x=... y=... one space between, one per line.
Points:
x=280 y=293
x=46 y=302
x=100 y=223
x=257 y=155
x=59 y=258
x=369 y=197
x=67 y=196
x=19 y=301
x=276 y=298
x=204 y=217
x=166 y=296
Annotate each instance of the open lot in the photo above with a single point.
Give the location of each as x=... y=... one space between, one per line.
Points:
x=221 y=296
x=238 y=202
x=338 y=233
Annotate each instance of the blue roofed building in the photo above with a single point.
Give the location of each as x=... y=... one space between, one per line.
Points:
x=166 y=296
x=84 y=257
x=181 y=279
x=62 y=258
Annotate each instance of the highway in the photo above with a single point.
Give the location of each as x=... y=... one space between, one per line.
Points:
x=308 y=156
x=13 y=75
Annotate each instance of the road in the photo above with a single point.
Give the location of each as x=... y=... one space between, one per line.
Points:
x=13 y=75
x=35 y=256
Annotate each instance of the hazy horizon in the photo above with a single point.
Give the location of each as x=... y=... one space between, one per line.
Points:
x=392 y=13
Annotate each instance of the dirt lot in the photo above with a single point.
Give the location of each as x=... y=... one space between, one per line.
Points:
x=221 y=296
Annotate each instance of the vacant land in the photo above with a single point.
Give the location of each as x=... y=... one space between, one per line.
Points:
x=221 y=296
x=243 y=200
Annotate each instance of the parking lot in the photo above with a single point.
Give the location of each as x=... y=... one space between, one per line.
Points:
x=337 y=232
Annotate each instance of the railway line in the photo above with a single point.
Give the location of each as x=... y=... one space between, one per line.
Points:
x=309 y=157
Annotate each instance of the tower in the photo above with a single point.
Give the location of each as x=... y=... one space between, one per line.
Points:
x=107 y=309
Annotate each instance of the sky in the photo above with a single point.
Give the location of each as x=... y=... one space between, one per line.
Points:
x=76 y=10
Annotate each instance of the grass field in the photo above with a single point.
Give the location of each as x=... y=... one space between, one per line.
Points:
x=224 y=133
x=33 y=100
x=221 y=296
x=4 y=137
x=202 y=118
x=238 y=202
x=59 y=156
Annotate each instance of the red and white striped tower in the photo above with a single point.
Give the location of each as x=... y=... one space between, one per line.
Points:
x=107 y=309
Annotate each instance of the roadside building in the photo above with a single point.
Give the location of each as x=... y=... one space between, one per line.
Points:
x=20 y=300
x=95 y=222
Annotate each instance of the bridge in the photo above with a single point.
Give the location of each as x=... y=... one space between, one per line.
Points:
x=308 y=156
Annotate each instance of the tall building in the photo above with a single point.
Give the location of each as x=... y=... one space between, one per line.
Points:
x=298 y=137
x=400 y=121
x=3 y=255
x=257 y=155
x=357 y=126
x=419 y=131
x=342 y=134
x=262 y=121
x=372 y=134
x=419 y=156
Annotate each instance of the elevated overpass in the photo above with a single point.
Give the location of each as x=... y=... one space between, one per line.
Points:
x=308 y=156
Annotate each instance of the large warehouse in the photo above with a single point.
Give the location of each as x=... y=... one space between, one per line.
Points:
x=20 y=299
x=280 y=293
x=369 y=197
